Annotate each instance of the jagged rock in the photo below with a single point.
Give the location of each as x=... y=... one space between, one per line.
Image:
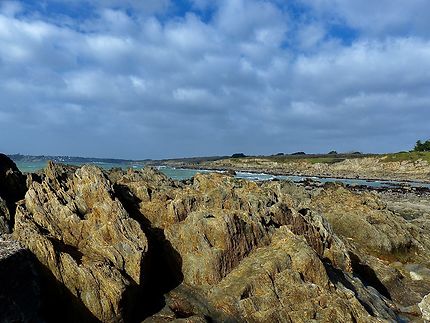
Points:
x=76 y=227
x=286 y=282
x=216 y=248
x=217 y=220
x=12 y=189
x=384 y=248
x=236 y=237
x=20 y=290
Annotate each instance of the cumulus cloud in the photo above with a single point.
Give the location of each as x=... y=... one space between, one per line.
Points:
x=161 y=79
x=376 y=18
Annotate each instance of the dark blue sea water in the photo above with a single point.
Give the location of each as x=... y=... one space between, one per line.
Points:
x=180 y=174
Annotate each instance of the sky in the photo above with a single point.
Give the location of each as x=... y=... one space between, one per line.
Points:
x=163 y=78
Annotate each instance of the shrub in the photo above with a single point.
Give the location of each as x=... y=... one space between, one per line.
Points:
x=238 y=155
x=422 y=146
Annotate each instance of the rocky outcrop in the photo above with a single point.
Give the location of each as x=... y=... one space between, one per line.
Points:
x=74 y=225
x=137 y=246
x=380 y=232
x=248 y=253
x=287 y=282
x=12 y=189
x=226 y=218
x=387 y=250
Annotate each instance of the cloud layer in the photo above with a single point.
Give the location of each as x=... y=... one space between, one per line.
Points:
x=152 y=79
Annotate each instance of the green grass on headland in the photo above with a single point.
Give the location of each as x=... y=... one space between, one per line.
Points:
x=407 y=156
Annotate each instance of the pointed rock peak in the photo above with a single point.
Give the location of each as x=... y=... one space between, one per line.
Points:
x=59 y=171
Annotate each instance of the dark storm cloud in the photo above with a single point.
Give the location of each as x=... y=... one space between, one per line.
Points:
x=159 y=79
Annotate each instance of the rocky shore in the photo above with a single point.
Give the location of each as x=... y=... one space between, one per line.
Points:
x=372 y=168
x=87 y=245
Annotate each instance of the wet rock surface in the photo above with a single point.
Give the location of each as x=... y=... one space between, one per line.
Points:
x=136 y=246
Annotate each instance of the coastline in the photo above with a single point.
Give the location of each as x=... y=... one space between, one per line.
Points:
x=308 y=223
x=283 y=173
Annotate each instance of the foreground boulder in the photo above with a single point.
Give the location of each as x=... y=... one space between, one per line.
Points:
x=12 y=189
x=72 y=222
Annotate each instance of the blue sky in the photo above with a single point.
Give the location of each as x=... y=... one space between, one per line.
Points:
x=159 y=79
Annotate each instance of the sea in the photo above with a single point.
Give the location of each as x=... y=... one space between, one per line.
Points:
x=182 y=174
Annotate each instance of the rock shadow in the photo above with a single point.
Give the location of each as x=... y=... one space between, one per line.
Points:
x=376 y=304
x=367 y=275
x=58 y=304
x=162 y=265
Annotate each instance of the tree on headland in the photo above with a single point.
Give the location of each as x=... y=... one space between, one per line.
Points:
x=238 y=155
x=422 y=146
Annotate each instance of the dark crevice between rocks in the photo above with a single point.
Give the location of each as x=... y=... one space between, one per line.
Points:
x=246 y=293
x=162 y=264
x=304 y=212
x=181 y=314
x=337 y=276
x=80 y=213
x=188 y=301
x=270 y=223
x=74 y=252
x=42 y=230
x=376 y=304
x=367 y=275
